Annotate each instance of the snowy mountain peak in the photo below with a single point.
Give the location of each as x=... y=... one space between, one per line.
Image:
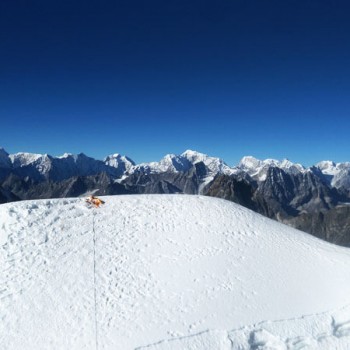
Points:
x=175 y=163
x=3 y=151
x=115 y=155
x=327 y=167
x=250 y=162
x=65 y=155
x=21 y=159
x=336 y=174
x=214 y=165
x=170 y=162
x=69 y=156
x=258 y=168
x=80 y=157
x=286 y=163
x=119 y=162
x=183 y=162
x=291 y=167
x=194 y=156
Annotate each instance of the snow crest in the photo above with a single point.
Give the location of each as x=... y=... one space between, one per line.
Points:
x=175 y=271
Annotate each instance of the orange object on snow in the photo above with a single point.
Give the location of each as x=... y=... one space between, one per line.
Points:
x=96 y=202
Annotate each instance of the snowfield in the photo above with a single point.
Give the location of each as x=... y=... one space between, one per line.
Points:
x=167 y=272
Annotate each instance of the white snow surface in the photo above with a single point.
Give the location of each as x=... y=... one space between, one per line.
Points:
x=166 y=272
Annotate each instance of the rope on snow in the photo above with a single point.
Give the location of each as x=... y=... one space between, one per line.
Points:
x=95 y=288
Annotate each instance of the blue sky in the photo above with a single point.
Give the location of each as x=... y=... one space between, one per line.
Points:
x=145 y=78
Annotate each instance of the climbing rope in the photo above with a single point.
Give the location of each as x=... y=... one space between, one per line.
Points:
x=95 y=288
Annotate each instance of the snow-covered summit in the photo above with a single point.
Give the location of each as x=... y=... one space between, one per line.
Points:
x=166 y=272
x=169 y=163
x=181 y=163
x=68 y=156
x=122 y=163
x=174 y=163
x=44 y=166
x=35 y=165
x=22 y=159
x=292 y=168
x=331 y=168
x=258 y=169
x=337 y=174
x=250 y=163
x=194 y=156
x=327 y=167
x=214 y=165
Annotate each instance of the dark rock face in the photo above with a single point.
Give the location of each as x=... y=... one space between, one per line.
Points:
x=282 y=195
x=303 y=201
x=7 y=196
x=332 y=225
x=182 y=182
x=100 y=184
x=236 y=190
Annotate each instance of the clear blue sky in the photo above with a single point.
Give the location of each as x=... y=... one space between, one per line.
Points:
x=145 y=78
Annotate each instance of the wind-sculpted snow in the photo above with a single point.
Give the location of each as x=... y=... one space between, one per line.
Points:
x=325 y=331
x=166 y=272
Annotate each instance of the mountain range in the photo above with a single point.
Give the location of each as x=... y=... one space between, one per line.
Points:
x=314 y=199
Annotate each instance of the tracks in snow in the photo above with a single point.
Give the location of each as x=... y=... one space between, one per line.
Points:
x=164 y=267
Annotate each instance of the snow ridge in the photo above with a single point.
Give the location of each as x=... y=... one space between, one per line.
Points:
x=171 y=271
x=324 y=331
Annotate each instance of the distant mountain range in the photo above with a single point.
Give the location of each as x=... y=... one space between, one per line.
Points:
x=314 y=199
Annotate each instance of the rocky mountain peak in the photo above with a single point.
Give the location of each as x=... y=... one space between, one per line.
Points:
x=5 y=161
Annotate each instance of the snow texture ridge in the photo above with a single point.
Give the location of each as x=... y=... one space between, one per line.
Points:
x=328 y=330
x=166 y=272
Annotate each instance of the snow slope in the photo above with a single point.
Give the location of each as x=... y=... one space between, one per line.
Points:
x=166 y=272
